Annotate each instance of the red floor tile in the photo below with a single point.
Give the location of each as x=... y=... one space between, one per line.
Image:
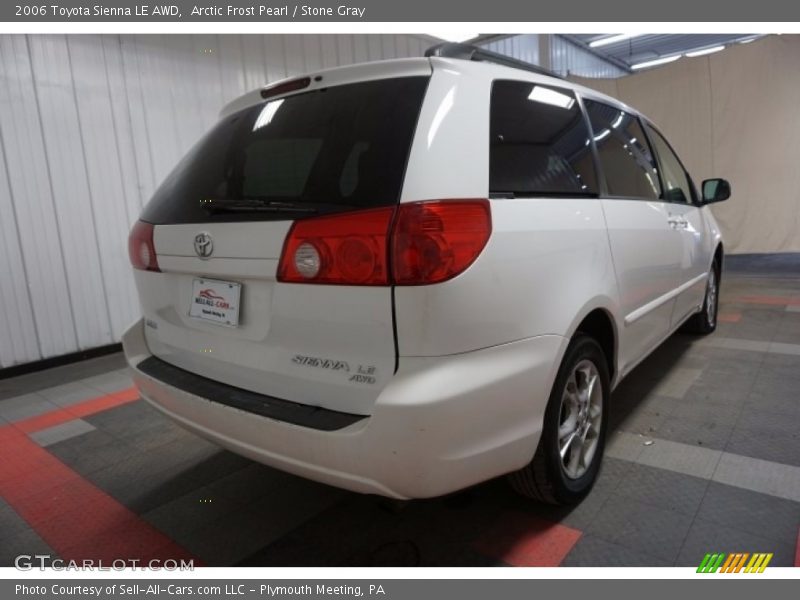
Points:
x=522 y=540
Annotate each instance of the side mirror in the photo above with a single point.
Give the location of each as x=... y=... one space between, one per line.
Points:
x=716 y=190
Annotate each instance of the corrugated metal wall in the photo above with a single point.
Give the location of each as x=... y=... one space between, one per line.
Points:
x=565 y=58
x=89 y=125
x=523 y=47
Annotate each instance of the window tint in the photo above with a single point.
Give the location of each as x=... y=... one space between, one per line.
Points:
x=331 y=149
x=538 y=142
x=625 y=157
x=673 y=175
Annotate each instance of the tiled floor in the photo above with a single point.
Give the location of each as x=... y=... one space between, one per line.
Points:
x=703 y=456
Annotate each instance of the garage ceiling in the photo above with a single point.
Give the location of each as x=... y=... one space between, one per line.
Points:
x=639 y=49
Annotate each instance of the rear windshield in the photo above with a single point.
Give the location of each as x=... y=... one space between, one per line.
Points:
x=332 y=149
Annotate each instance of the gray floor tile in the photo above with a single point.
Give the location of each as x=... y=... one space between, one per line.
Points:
x=759 y=514
x=642 y=527
x=10 y=522
x=723 y=398
x=638 y=421
x=236 y=536
x=676 y=382
x=69 y=394
x=23 y=542
x=711 y=536
x=773 y=402
x=762 y=476
x=148 y=479
x=768 y=436
x=109 y=383
x=705 y=413
x=59 y=433
x=250 y=483
x=139 y=425
x=682 y=458
x=183 y=515
x=713 y=435
x=91 y=451
x=593 y=551
x=23 y=407
x=665 y=489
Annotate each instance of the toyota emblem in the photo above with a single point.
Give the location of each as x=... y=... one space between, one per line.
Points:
x=203 y=244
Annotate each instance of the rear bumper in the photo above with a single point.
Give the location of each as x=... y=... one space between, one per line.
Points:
x=440 y=425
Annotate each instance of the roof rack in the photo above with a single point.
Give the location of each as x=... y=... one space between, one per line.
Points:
x=478 y=54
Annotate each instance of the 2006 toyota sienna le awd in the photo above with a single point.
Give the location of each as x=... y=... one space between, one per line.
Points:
x=410 y=276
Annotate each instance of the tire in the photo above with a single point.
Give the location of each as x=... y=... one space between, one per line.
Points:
x=547 y=478
x=705 y=321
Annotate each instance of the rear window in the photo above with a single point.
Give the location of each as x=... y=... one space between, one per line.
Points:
x=332 y=149
x=625 y=156
x=539 y=142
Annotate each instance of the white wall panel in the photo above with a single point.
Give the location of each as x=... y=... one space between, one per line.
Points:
x=106 y=181
x=136 y=111
x=89 y=126
x=29 y=184
x=71 y=195
x=17 y=326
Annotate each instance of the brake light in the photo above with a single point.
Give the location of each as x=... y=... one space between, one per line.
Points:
x=429 y=242
x=141 y=249
x=285 y=86
x=435 y=241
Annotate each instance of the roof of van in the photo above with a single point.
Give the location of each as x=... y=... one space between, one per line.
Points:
x=408 y=67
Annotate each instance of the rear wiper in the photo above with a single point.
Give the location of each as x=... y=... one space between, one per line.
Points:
x=254 y=205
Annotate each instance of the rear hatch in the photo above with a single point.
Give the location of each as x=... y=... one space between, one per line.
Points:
x=221 y=218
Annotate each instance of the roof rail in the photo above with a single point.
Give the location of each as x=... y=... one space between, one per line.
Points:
x=478 y=54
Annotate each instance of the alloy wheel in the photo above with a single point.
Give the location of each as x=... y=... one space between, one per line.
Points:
x=580 y=419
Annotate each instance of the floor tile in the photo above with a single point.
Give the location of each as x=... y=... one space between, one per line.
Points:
x=59 y=433
x=23 y=407
x=759 y=514
x=642 y=527
x=711 y=536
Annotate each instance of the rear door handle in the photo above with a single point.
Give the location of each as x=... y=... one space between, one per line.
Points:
x=677 y=222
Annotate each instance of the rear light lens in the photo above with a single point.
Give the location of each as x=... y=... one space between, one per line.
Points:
x=346 y=249
x=429 y=242
x=285 y=87
x=141 y=249
x=435 y=241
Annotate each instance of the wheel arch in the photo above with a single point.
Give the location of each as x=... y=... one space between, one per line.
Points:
x=597 y=320
x=719 y=256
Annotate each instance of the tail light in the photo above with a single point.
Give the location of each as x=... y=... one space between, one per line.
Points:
x=435 y=241
x=347 y=249
x=417 y=243
x=141 y=249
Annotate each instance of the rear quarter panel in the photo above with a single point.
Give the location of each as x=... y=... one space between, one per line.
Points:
x=546 y=266
x=547 y=263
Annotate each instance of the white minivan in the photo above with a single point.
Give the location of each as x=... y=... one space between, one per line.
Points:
x=407 y=277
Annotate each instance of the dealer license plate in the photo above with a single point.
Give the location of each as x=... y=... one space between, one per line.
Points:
x=216 y=301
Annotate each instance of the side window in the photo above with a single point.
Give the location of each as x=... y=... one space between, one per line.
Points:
x=676 y=181
x=538 y=142
x=624 y=154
